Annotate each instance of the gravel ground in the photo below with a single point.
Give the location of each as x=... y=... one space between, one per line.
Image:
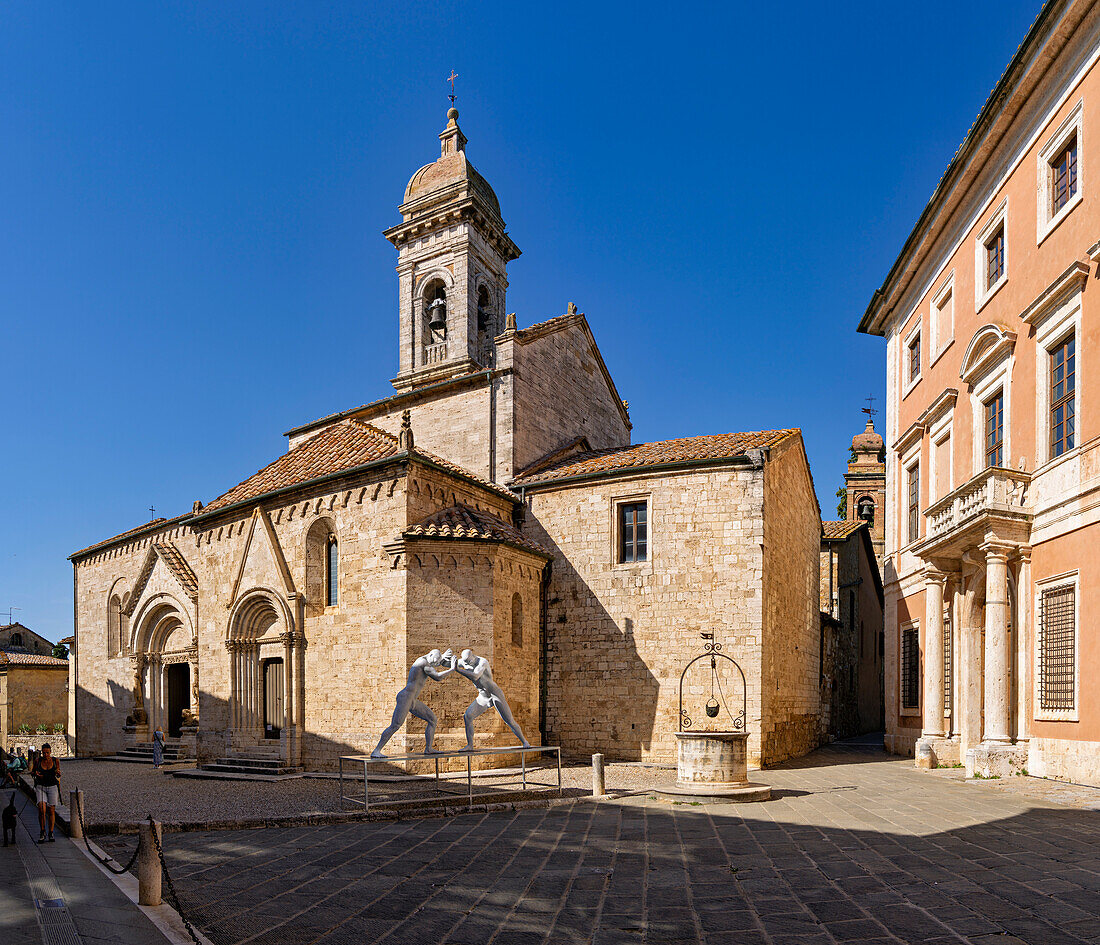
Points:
x=116 y=792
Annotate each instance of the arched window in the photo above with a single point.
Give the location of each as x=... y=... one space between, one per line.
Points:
x=517 y=620
x=16 y=639
x=331 y=573
x=321 y=565
x=114 y=626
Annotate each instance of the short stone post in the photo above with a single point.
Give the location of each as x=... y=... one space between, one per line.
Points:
x=149 y=874
x=597 y=776
x=76 y=814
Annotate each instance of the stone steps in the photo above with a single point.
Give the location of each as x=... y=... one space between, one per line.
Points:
x=258 y=763
x=143 y=753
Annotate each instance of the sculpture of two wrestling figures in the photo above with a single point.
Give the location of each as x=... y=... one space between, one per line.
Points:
x=476 y=669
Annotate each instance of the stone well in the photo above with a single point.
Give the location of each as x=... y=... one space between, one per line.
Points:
x=713 y=766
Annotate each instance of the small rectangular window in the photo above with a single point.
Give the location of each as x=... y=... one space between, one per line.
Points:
x=1057 y=648
x=1063 y=175
x=994 y=430
x=914 y=502
x=995 y=257
x=910 y=668
x=914 y=357
x=1063 y=385
x=633 y=532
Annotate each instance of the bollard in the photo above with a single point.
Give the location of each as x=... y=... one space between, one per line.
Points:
x=148 y=865
x=76 y=814
x=597 y=775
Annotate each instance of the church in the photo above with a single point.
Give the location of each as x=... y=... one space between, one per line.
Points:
x=494 y=501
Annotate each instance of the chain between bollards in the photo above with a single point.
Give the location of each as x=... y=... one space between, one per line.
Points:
x=78 y=823
x=154 y=832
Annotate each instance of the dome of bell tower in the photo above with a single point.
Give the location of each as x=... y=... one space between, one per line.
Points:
x=452 y=171
x=868 y=441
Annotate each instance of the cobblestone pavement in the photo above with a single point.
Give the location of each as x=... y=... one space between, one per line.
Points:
x=855 y=846
x=117 y=792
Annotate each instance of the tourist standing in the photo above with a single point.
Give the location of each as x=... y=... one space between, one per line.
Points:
x=46 y=772
x=158 y=748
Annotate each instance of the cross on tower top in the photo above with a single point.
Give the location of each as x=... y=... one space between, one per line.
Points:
x=451 y=78
x=152 y=512
x=869 y=409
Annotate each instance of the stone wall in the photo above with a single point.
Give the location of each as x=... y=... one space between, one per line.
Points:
x=618 y=636
x=460 y=596
x=32 y=696
x=454 y=424
x=357 y=651
x=562 y=392
x=790 y=664
x=59 y=744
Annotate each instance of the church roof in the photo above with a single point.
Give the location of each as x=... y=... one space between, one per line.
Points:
x=838 y=530
x=683 y=451
x=462 y=523
x=340 y=447
x=15 y=658
x=150 y=526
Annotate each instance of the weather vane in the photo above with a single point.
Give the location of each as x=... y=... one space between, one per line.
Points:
x=869 y=409
x=451 y=78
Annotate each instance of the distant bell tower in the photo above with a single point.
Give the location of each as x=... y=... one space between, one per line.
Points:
x=452 y=250
x=865 y=483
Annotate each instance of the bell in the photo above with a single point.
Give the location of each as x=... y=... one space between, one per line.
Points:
x=437 y=316
x=712 y=707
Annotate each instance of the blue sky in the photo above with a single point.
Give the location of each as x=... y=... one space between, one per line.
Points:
x=193 y=195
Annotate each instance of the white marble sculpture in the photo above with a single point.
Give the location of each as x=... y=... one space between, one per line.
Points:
x=408 y=703
x=489 y=695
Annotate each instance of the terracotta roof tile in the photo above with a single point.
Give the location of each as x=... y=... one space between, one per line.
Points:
x=684 y=450
x=460 y=522
x=840 y=530
x=14 y=658
x=342 y=446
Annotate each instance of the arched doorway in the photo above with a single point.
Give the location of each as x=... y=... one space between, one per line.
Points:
x=259 y=643
x=274 y=707
x=177 y=680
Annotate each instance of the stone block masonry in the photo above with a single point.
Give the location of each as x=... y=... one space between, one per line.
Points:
x=619 y=635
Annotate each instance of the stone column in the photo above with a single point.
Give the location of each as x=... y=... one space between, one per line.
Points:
x=996 y=675
x=231 y=649
x=1024 y=648
x=933 y=653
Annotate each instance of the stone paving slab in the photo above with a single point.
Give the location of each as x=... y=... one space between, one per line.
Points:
x=855 y=846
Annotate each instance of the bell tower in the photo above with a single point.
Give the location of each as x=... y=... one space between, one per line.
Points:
x=452 y=251
x=865 y=483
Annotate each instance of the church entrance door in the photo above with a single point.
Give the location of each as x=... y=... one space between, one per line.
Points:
x=177 y=680
x=273 y=698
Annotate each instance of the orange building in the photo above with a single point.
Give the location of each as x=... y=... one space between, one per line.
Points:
x=993 y=430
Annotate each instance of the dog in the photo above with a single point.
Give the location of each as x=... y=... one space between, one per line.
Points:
x=9 y=816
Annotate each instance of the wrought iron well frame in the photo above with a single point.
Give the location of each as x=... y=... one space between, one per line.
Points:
x=713 y=650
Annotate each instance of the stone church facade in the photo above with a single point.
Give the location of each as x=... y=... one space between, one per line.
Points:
x=495 y=502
